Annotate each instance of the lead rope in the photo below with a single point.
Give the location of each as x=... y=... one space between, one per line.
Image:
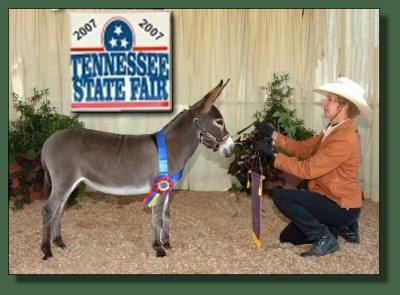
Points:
x=244 y=129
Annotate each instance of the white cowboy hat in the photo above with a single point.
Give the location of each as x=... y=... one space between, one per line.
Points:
x=349 y=90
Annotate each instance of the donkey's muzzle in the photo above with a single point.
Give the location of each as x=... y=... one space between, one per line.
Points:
x=226 y=148
x=210 y=141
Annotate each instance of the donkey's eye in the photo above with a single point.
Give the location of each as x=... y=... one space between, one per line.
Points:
x=220 y=122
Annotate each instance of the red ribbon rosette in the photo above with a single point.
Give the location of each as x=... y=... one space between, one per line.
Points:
x=163 y=185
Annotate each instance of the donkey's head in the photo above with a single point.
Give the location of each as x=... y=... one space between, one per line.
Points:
x=211 y=124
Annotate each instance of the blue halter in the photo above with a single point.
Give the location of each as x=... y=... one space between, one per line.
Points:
x=163 y=184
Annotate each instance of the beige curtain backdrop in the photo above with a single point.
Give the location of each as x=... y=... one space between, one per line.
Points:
x=314 y=46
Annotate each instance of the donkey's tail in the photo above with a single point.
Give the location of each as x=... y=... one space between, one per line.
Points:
x=46 y=181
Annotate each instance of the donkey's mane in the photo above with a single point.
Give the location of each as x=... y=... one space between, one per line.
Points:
x=175 y=118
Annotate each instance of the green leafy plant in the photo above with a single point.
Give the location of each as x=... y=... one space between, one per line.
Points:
x=277 y=111
x=37 y=120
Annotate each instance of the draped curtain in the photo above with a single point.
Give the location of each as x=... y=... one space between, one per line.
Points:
x=313 y=46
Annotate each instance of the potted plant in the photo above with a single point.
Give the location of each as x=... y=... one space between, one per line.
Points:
x=277 y=111
x=37 y=120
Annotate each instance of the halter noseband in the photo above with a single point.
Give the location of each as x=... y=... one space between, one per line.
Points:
x=204 y=132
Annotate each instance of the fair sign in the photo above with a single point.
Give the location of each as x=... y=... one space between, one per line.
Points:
x=121 y=61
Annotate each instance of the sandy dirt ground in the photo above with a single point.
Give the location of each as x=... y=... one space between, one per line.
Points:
x=210 y=234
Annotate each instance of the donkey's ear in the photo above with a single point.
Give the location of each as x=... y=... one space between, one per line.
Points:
x=211 y=96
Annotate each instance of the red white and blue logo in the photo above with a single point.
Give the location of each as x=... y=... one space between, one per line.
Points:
x=118 y=36
x=121 y=62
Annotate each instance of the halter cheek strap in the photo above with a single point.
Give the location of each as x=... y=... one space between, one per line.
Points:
x=204 y=132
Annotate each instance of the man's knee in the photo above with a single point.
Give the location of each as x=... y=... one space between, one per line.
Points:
x=279 y=196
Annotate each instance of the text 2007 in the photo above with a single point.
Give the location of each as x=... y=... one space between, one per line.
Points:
x=152 y=30
x=85 y=29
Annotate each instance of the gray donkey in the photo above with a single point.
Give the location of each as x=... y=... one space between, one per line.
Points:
x=127 y=164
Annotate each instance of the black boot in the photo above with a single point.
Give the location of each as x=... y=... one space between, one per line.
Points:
x=350 y=233
x=323 y=246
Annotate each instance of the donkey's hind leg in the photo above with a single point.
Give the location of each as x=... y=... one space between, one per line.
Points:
x=51 y=214
x=156 y=218
x=56 y=228
x=47 y=219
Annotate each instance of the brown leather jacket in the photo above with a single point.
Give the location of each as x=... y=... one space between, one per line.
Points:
x=330 y=166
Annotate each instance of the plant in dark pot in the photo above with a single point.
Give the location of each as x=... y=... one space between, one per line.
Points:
x=36 y=121
x=278 y=112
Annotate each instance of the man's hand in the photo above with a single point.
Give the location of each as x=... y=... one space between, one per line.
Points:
x=266 y=148
x=264 y=129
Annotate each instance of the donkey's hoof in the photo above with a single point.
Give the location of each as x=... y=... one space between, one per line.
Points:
x=47 y=256
x=167 y=245
x=161 y=253
x=59 y=243
x=46 y=251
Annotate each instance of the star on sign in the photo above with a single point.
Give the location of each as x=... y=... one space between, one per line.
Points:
x=113 y=42
x=124 y=43
x=118 y=30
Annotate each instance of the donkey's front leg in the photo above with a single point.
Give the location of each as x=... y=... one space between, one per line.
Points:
x=156 y=218
x=165 y=224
